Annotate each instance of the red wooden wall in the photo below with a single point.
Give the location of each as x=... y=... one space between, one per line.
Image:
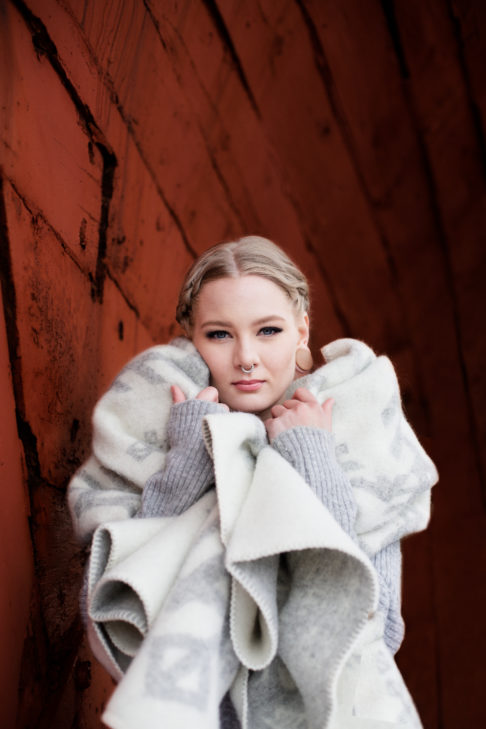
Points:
x=135 y=133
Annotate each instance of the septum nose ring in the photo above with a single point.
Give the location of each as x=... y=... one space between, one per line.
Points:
x=247 y=370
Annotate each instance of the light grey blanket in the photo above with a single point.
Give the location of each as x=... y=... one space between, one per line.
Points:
x=255 y=588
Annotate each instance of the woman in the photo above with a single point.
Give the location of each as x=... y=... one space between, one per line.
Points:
x=252 y=329
x=244 y=306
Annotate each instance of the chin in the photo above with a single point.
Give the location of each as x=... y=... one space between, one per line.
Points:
x=246 y=408
x=249 y=405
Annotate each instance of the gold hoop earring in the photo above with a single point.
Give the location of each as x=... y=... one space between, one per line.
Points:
x=303 y=359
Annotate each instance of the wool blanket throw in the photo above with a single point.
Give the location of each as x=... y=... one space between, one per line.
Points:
x=254 y=589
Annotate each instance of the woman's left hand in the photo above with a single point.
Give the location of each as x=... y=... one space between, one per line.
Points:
x=302 y=409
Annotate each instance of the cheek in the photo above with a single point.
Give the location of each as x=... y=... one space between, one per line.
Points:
x=286 y=355
x=215 y=363
x=215 y=375
x=204 y=351
x=282 y=366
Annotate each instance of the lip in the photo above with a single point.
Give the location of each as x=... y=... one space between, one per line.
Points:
x=248 y=385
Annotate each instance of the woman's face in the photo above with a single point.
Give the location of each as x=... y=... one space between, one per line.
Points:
x=239 y=322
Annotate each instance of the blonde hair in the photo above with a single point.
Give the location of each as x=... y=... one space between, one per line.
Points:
x=250 y=255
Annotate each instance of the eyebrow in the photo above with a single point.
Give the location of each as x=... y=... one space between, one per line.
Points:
x=265 y=319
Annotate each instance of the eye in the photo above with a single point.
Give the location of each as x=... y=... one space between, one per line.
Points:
x=217 y=334
x=269 y=331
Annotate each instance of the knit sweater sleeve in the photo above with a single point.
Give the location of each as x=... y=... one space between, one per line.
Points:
x=311 y=451
x=188 y=470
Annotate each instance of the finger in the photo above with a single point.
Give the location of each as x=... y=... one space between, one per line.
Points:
x=304 y=395
x=327 y=407
x=177 y=394
x=278 y=410
x=271 y=426
x=210 y=394
x=290 y=404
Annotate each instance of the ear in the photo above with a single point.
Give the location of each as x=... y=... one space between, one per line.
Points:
x=303 y=329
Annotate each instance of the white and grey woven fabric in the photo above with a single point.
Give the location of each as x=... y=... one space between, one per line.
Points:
x=255 y=588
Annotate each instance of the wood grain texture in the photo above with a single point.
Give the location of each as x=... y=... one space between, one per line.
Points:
x=135 y=134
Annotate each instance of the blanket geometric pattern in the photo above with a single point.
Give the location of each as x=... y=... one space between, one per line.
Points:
x=255 y=588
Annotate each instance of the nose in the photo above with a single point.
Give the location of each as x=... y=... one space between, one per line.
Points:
x=245 y=355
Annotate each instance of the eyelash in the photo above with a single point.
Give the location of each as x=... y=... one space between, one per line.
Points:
x=214 y=335
x=271 y=331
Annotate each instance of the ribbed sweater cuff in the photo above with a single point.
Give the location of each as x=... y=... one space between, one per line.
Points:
x=188 y=469
x=184 y=425
x=311 y=451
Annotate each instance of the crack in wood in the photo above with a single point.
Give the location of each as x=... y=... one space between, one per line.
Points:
x=9 y=297
x=473 y=106
x=227 y=41
x=388 y=8
x=124 y=296
x=36 y=216
x=107 y=180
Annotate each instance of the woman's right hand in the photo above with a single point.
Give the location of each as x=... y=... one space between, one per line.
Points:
x=210 y=394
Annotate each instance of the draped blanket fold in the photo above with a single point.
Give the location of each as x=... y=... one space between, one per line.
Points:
x=254 y=589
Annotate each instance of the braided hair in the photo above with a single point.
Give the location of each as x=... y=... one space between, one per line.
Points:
x=250 y=255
